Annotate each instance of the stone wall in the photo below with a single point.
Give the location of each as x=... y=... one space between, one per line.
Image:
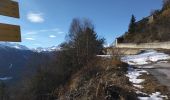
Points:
x=159 y=45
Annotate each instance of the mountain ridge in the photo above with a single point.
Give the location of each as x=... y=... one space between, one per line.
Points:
x=17 y=60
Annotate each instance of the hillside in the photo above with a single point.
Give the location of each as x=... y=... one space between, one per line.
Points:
x=106 y=80
x=17 y=60
x=154 y=28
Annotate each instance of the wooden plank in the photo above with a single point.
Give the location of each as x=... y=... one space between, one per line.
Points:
x=9 y=8
x=10 y=33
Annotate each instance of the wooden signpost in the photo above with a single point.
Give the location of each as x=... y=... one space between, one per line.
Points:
x=9 y=8
x=9 y=32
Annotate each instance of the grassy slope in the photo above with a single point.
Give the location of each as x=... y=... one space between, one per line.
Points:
x=103 y=79
x=156 y=31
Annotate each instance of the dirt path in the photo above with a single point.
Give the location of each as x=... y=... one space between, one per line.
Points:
x=162 y=72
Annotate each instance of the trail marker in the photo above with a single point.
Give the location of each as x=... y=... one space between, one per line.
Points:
x=9 y=32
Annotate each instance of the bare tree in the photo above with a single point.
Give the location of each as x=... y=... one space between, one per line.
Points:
x=83 y=40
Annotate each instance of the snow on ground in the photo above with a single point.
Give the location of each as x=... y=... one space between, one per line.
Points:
x=133 y=75
x=146 y=57
x=105 y=56
x=146 y=67
x=138 y=86
x=5 y=78
x=162 y=62
x=154 y=96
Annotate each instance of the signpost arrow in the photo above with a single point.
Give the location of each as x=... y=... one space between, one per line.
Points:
x=9 y=32
x=9 y=8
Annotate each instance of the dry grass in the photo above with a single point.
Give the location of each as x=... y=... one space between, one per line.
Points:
x=166 y=13
x=99 y=80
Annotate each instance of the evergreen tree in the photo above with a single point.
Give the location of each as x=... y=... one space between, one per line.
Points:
x=132 y=25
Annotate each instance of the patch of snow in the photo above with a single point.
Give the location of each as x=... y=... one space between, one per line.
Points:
x=154 y=96
x=138 y=86
x=133 y=75
x=17 y=47
x=145 y=67
x=139 y=92
x=5 y=78
x=145 y=58
x=49 y=49
x=13 y=45
x=104 y=56
x=162 y=62
x=136 y=81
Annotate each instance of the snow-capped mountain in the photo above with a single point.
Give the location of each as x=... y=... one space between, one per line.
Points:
x=16 y=60
x=6 y=45
x=49 y=49
x=13 y=60
x=22 y=47
x=13 y=45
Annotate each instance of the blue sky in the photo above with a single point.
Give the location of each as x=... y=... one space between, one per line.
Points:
x=44 y=23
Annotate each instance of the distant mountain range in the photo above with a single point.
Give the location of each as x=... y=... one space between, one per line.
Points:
x=17 y=60
x=22 y=47
x=13 y=45
x=49 y=49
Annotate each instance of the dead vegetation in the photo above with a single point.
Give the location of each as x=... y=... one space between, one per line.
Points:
x=102 y=79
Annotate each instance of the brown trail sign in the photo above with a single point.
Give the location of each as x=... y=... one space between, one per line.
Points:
x=9 y=32
x=9 y=8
